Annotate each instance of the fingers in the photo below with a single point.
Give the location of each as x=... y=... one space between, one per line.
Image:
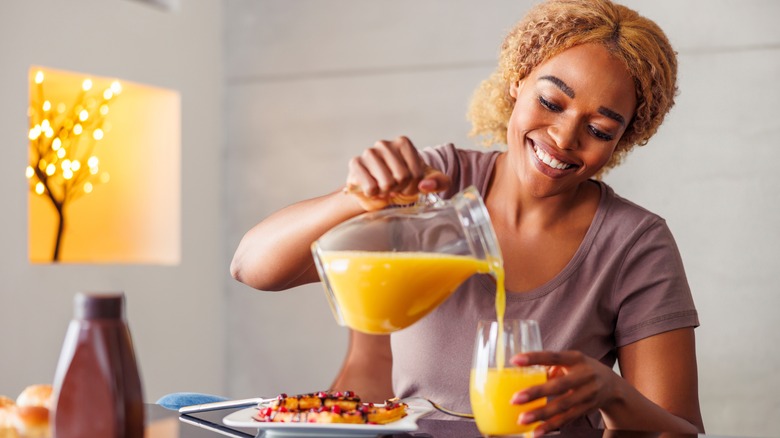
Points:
x=560 y=410
x=577 y=385
x=556 y=387
x=568 y=405
x=568 y=370
x=434 y=181
x=562 y=358
x=549 y=424
x=392 y=170
x=387 y=167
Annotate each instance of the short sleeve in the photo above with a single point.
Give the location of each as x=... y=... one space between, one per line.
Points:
x=652 y=293
x=465 y=167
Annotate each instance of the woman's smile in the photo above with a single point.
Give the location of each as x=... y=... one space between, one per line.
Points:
x=550 y=162
x=568 y=117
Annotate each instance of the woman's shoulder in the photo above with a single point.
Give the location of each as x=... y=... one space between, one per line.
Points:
x=465 y=166
x=623 y=218
x=625 y=209
x=448 y=152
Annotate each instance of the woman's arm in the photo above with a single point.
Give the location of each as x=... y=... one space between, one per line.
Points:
x=664 y=391
x=367 y=368
x=658 y=391
x=276 y=253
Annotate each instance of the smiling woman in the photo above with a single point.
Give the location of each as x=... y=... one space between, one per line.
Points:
x=579 y=83
x=568 y=120
x=635 y=41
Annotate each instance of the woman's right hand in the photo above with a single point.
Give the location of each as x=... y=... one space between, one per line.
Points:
x=392 y=172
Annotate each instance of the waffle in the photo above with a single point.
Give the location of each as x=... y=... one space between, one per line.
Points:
x=329 y=407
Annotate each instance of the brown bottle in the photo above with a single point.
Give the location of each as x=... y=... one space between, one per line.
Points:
x=97 y=388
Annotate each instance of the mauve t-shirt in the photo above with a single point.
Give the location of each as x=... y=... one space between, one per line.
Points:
x=625 y=282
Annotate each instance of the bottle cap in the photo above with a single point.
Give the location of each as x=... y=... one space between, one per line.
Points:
x=90 y=305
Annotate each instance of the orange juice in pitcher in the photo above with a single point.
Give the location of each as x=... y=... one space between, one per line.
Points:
x=384 y=270
x=400 y=287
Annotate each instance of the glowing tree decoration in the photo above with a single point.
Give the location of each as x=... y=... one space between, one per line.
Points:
x=63 y=164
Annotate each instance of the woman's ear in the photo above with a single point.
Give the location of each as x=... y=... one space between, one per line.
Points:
x=514 y=89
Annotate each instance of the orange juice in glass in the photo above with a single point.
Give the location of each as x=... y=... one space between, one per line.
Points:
x=494 y=380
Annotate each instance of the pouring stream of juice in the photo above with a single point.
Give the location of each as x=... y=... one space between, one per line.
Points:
x=497 y=269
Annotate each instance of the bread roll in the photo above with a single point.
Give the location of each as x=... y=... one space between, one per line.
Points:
x=31 y=412
x=7 y=416
x=7 y=410
x=35 y=395
x=5 y=401
x=9 y=432
x=33 y=421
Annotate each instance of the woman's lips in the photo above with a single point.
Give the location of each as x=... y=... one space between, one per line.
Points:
x=549 y=160
x=548 y=163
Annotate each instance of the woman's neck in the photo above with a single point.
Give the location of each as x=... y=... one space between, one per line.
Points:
x=515 y=204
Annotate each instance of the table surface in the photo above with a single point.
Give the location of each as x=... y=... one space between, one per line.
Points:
x=163 y=423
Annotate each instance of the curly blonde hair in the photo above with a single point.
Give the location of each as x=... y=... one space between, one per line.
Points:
x=556 y=25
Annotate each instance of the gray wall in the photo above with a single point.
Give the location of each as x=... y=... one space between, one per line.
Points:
x=312 y=83
x=175 y=312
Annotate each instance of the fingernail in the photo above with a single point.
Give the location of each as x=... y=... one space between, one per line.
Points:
x=539 y=432
x=527 y=418
x=427 y=185
x=520 y=360
x=520 y=399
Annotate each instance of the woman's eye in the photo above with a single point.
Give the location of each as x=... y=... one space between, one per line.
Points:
x=601 y=135
x=549 y=105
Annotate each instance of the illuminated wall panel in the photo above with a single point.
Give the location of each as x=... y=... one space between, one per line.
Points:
x=132 y=213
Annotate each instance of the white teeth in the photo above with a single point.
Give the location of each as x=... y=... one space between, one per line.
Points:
x=549 y=160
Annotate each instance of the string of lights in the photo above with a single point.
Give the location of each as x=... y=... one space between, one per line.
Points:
x=64 y=164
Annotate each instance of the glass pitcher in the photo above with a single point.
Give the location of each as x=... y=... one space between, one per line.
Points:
x=384 y=270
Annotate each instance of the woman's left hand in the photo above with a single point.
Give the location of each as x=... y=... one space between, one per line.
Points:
x=577 y=385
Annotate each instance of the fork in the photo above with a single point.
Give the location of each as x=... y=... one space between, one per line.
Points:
x=442 y=409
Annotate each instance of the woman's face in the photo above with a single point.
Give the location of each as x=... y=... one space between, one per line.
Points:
x=568 y=116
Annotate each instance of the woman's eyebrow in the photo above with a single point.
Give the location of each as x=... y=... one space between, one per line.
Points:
x=612 y=115
x=560 y=84
x=567 y=90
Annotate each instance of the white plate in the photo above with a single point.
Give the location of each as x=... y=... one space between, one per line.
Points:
x=417 y=408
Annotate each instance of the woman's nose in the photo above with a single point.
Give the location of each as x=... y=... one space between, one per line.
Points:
x=565 y=133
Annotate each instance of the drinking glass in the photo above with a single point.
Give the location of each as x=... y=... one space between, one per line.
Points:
x=494 y=380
